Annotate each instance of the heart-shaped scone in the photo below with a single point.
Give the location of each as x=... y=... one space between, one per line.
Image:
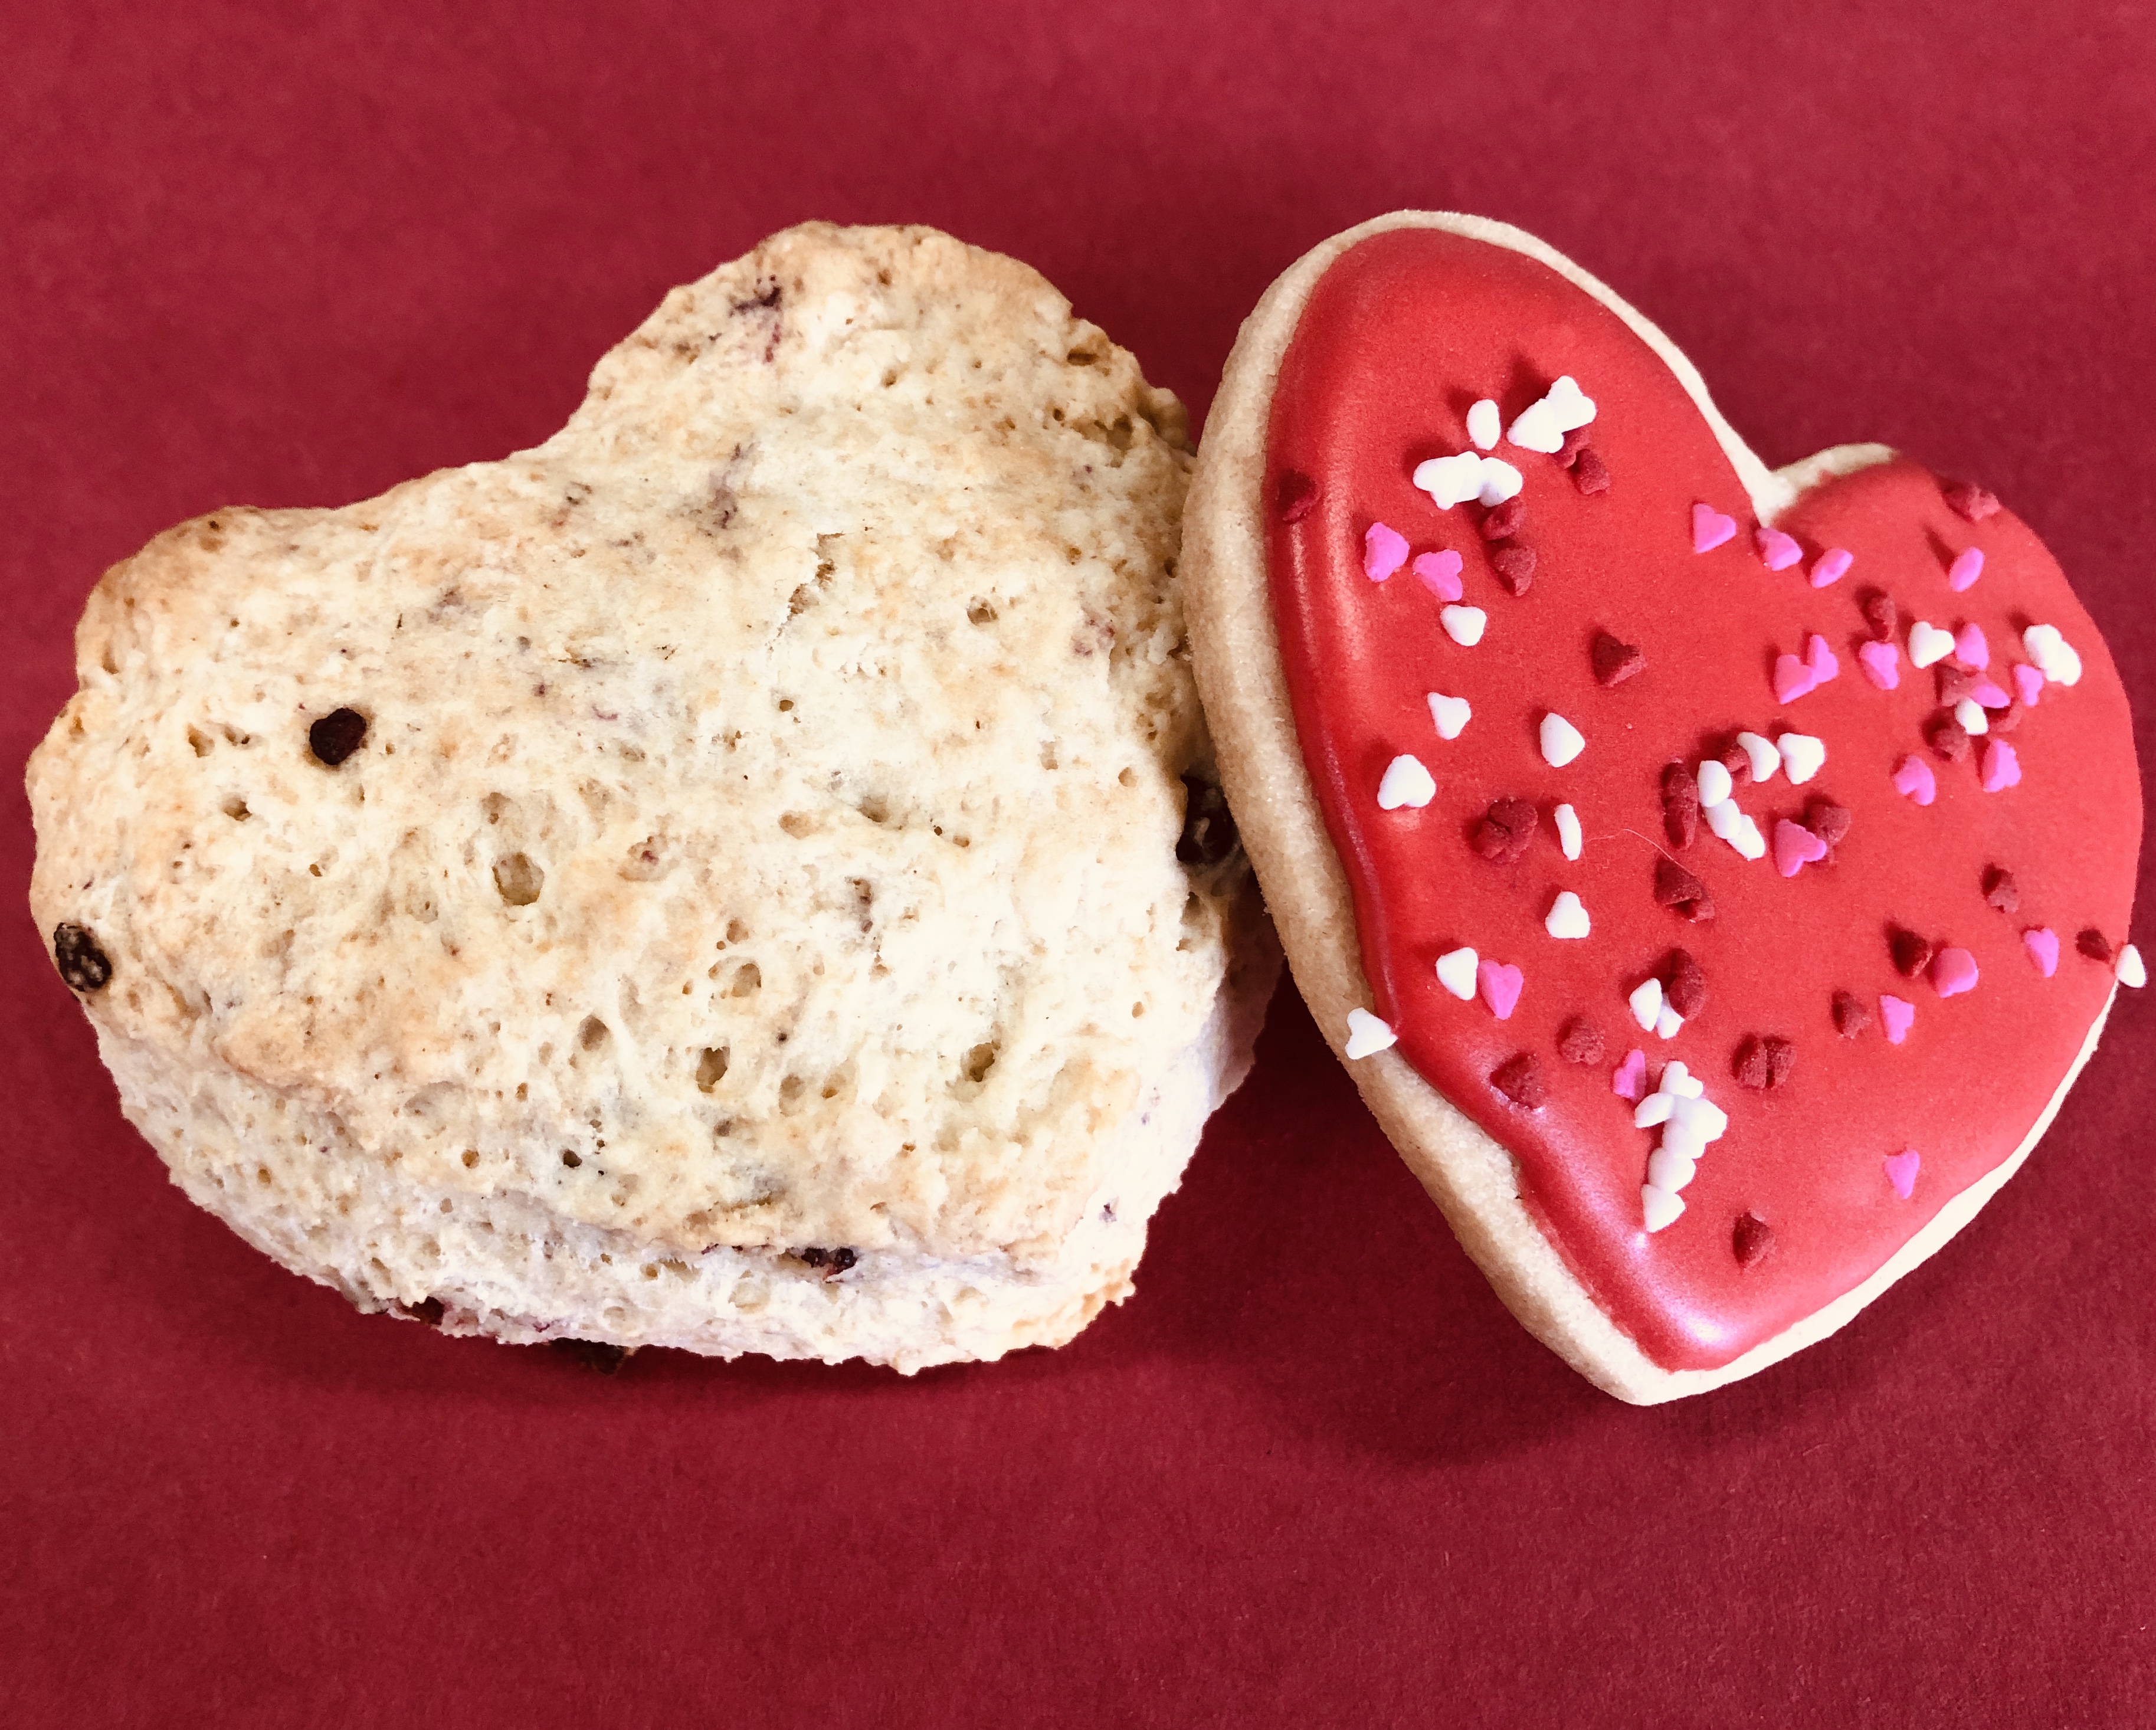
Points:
x=1714 y=876
x=743 y=876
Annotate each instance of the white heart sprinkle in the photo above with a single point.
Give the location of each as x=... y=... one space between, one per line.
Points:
x=1573 y=406
x=1765 y=757
x=1646 y=1004
x=1747 y=840
x=1366 y=1033
x=1723 y=818
x=1567 y=830
x=1802 y=756
x=2056 y=658
x=1561 y=740
x=1680 y=1138
x=1714 y=783
x=1451 y=714
x=1928 y=644
x=2131 y=971
x=1970 y=714
x=1669 y=1169
x=1406 y=782
x=1464 y=625
x=1484 y=424
x=1703 y=1117
x=1455 y=972
x=1659 y=1207
x=1653 y=1109
x=1536 y=429
x=1667 y=1023
x=1567 y=917
x=1679 y=1081
x=1500 y=481
x=1451 y=480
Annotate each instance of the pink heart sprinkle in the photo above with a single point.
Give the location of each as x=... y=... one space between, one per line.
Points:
x=2028 y=682
x=1709 y=528
x=1821 y=660
x=1631 y=1081
x=2002 y=768
x=1792 y=679
x=1795 y=847
x=1778 y=549
x=1989 y=695
x=1384 y=551
x=1954 y=971
x=1831 y=565
x=1970 y=649
x=1500 y=987
x=1881 y=663
x=1439 y=573
x=1901 y=1171
x=1913 y=777
x=1967 y=567
x=2043 y=949
x=1897 y=1015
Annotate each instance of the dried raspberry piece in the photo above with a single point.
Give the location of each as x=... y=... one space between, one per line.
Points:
x=1505 y=834
x=2094 y=944
x=336 y=736
x=1944 y=734
x=1679 y=804
x=1850 y=1017
x=2001 y=890
x=82 y=962
x=1515 y=568
x=1750 y=1239
x=1614 y=662
x=1735 y=758
x=1678 y=889
x=1955 y=684
x=1519 y=1078
x=1826 y=819
x=1295 y=496
x=1912 y=953
x=1763 y=1061
x=1502 y=521
x=1881 y=614
x=1589 y=473
x=1568 y=452
x=1970 y=502
x=1580 y=1041
x=1209 y=832
x=1684 y=984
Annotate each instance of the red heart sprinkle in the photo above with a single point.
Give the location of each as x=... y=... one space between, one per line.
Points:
x=1614 y=662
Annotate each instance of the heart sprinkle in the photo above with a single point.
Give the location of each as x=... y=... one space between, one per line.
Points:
x=2028 y=683
x=2000 y=890
x=1590 y=474
x=1455 y=972
x=1795 y=847
x=1777 y=550
x=1579 y=1041
x=1750 y=1239
x=1501 y=481
x=1709 y=528
x=1614 y=662
x=1911 y=953
x=1464 y=625
x=1667 y=1023
x=1439 y=573
x=1913 y=776
x=1713 y=783
x=1536 y=428
x=1802 y=756
x=1901 y=1171
x=1561 y=740
x=1821 y=660
x=1484 y=424
x=1827 y=821
x=1451 y=480
x=1762 y=1063
x=1506 y=521
x=1567 y=830
x=1646 y=1004
x=1384 y=551
x=1504 y=834
x=2132 y=973
x=1881 y=614
x=1500 y=986
x=1967 y=567
x=1928 y=644
x=1567 y=917
x=1954 y=971
x=1831 y=565
x=1897 y=1015
x=1881 y=665
x=2043 y=946
x=1734 y=827
x=1990 y=695
x=1680 y=803
x=1519 y=1078
x=1947 y=741
x=1295 y=496
x=1629 y=1079
x=1678 y=890
x=2001 y=768
x=1850 y=1017
x=1659 y=1207
x=1407 y=782
x=1451 y=714
x=1684 y=982
x=1970 y=502
x=1969 y=716
x=2053 y=653
x=1514 y=568
x=1970 y=649
x=1793 y=679
x=2094 y=944
x=1366 y=1033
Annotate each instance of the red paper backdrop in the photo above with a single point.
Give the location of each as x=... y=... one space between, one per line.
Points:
x=1313 y=1474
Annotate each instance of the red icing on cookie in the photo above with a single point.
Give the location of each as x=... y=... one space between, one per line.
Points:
x=1401 y=335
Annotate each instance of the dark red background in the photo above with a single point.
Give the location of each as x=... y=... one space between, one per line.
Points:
x=1313 y=1474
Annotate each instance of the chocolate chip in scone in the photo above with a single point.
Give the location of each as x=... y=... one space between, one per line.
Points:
x=1750 y=1239
x=834 y=1262
x=594 y=1354
x=1209 y=832
x=336 y=736
x=82 y=962
x=1519 y=1078
x=1580 y=1041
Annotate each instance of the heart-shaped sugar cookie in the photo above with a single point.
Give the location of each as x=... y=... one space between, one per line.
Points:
x=1840 y=942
